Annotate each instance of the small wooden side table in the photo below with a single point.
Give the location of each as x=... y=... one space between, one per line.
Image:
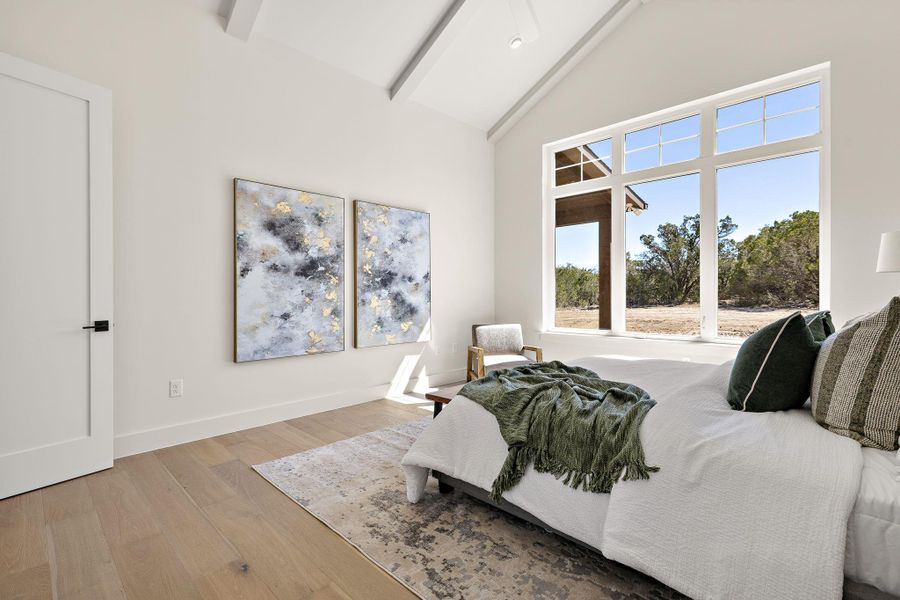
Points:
x=444 y=395
x=440 y=397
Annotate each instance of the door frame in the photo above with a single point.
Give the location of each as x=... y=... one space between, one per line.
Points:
x=38 y=467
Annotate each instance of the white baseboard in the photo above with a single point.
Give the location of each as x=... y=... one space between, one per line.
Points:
x=153 y=439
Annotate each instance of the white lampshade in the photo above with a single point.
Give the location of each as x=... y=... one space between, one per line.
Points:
x=889 y=254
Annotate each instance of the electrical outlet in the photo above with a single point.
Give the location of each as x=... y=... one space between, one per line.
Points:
x=176 y=388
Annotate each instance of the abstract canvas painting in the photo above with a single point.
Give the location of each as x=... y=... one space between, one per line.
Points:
x=289 y=272
x=393 y=275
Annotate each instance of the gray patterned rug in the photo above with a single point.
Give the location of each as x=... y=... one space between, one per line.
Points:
x=446 y=546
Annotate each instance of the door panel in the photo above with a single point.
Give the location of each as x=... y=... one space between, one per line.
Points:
x=44 y=256
x=55 y=380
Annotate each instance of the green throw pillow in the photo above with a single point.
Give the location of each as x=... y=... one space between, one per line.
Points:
x=820 y=324
x=774 y=366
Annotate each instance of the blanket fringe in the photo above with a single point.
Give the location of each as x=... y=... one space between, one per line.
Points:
x=601 y=482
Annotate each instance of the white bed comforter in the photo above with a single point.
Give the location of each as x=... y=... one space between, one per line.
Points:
x=744 y=505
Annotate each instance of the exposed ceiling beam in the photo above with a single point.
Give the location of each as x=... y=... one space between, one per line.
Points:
x=612 y=19
x=526 y=23
x=434 y=45
x=242 y=18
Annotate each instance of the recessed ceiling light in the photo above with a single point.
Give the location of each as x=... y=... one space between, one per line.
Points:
x=515 y=42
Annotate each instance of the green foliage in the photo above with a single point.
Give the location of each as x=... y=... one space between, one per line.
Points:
x=777 y=267
x=668 y=271
x=576 y=287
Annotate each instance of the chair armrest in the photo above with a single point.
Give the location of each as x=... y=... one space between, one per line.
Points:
x=538 y=352
x=474 y=363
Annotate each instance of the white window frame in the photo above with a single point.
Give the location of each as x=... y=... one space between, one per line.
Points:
x=706 y=165
x=659 y=145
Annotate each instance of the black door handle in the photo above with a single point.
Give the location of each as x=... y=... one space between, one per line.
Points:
x=98 y=326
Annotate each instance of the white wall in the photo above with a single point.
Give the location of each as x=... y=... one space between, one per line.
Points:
x=674 y=51
x=193 y=108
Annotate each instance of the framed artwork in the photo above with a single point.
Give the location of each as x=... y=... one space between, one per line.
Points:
x=289 y=272
x=393 y=275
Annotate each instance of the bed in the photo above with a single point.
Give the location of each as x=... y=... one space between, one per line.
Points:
x=870 y=550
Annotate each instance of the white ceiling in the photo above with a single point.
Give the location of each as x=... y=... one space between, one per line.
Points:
x=372 y=39
x=476 y=80
x=479 y=77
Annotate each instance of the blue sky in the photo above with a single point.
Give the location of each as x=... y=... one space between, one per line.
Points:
x=754 y=195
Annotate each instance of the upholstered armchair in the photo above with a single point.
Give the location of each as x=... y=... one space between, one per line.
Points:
x=498 y=347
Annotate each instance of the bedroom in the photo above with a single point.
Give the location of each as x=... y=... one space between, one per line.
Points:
x=158 y=149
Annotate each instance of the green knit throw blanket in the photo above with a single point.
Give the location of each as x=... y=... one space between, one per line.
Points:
x=566 y=421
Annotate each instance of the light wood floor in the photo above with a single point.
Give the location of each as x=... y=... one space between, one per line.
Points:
x=193 y=521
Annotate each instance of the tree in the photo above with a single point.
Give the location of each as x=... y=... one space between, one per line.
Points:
x=668 y=271
x=779 y=266
x=576 y=287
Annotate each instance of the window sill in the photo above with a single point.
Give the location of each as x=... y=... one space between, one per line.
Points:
x=594 y=334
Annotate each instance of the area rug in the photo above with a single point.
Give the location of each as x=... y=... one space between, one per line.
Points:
x=448 y=546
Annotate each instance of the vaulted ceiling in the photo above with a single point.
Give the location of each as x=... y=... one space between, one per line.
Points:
x=455 y=56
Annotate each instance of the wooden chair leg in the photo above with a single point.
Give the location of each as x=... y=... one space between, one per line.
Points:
x=474 y=363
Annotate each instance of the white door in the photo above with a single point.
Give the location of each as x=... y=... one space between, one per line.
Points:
x=56 y=379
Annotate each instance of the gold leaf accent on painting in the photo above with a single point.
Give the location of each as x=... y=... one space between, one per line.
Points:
x=367 y=226
x=315 y=337
x=390 y=338
x=267 y=253
x=324 y=242
x=305 y=198
x=374 y=302
x=332 y=279
x=382 y=218
x=387 y=251
x=283 y=208
x=406 y=325
x=331 y=295
x=367 y=268
x=327 y=311
x=309 y=300
x=335 y=324
x=376 y=328
x=312 y=350
x=369 y=254
x=373 y=240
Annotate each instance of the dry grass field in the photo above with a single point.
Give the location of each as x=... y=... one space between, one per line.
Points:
x=678 y=320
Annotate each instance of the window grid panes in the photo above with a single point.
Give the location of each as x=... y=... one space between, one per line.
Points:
x=759 y=262
x=583 y=163
x=775 y=117
x=664 y=144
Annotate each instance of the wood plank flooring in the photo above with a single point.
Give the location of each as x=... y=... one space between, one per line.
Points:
x=193 y=522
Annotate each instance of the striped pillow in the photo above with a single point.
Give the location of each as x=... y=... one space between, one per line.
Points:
x=856 y=383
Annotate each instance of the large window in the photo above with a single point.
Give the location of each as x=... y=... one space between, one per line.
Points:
x=702 y=222
x=662 y=257
x=582 y=242
x=768 y=241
